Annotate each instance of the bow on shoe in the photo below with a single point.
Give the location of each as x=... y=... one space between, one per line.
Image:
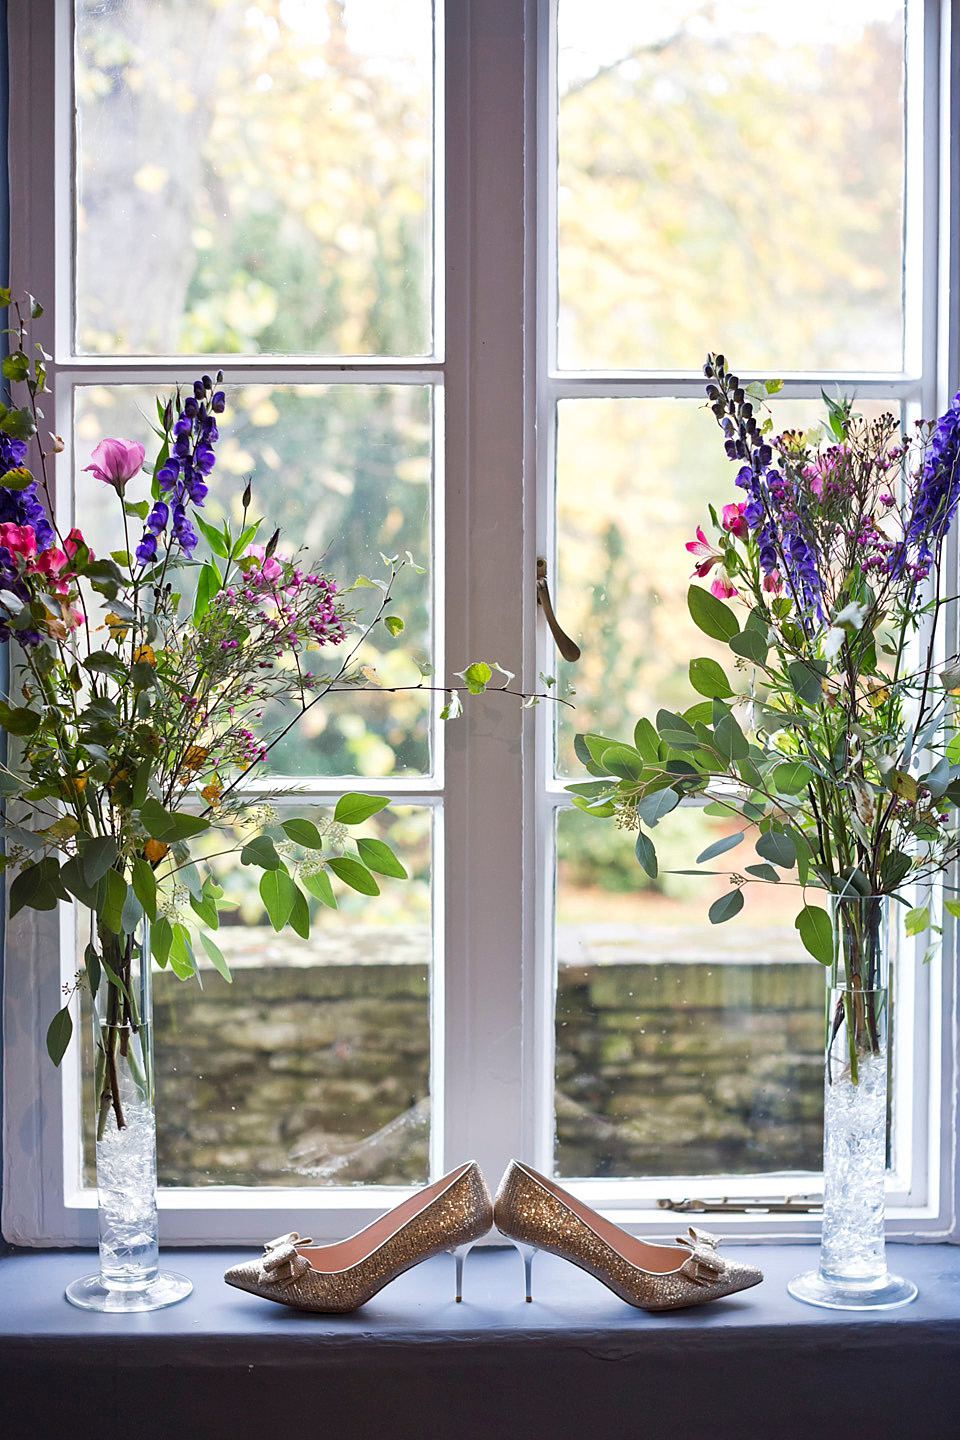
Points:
x=703 y=1265
x=281 y=1263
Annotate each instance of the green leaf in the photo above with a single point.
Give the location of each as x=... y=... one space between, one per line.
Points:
x=278 y=893
x=300 y=914
x=172 y=825
x=806 y=677
x=183 y=962
x=216 y=956
x=726 y=907
x=378 y=856
x=707 y=678
x=791 y=777
x=303 y=832
x=18 y=720
x=352 y=873
x=623 y=762
x=763 y=872
x=394 y=624
x=816 y=933
x=115 y=893
x=145 y=886
x=132 y=912
x=778 y=848
x=476 y=677
x=161 y=938
x=214 y=537
x=17 y=478
x=260 y=851
x=59 y=1032
x=646 y=854
x=318 y=884
x=711 y=615
x=917 y=920
x=719 y=847
x=104 y=662
x=72 y=876
x=646 y=739
x=731 y=740
x=19 y=423
x=37 y=887
x=953 y=908
x=206 y=909
x=208 y=585
x=652 y=808
x=16 y=367
x=751 y=645
x=353 y=809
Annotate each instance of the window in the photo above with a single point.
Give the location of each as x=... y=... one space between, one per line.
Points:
x=448 y=260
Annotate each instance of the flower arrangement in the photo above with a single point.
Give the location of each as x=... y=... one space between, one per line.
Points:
x=831 y=737
x=137 y=698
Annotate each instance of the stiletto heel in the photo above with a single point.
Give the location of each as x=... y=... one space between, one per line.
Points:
x=460 y=1253
x=536 y=1214
x=526 y=1253
x=450 y=1215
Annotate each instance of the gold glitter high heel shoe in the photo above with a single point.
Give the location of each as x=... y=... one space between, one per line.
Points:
x=451 y=1214
x=537 y=1214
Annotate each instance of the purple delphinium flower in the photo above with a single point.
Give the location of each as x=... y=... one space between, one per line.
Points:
x=935 y=502
x=771 y=511
x=22 y=507
x=181 y=478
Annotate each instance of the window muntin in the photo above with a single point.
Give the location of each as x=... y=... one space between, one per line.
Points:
x=244 y=225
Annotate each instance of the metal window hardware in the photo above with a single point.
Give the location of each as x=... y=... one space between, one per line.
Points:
x=568 y=648
x=805 y=1205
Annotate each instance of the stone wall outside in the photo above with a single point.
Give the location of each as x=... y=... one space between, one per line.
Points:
x=317 y=1073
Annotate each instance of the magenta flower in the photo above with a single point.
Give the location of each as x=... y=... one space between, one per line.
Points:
x=116 y=462
x=19 y=539
x=735 y=521
x=701 y=546
x=723 y=588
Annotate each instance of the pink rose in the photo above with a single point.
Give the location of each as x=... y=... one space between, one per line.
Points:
x=116 y=462
x=18 y=539
x=733 y=520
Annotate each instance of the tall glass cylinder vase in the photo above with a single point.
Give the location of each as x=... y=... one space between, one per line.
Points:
x=852 y=1273
x=130 y=1278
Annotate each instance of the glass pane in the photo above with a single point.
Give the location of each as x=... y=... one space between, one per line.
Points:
x=682 y=1047
x=265 y=171
x=730 y=177
x=634 y=480
x=346 y=472
x=312 y=1067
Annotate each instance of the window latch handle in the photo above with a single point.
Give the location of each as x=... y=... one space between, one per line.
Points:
x=568 y=648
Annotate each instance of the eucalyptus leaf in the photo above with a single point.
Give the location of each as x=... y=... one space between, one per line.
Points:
x=719 y=847
x=726 y=907
x=711 y=615
x=353 y=809
x=646 y=854
x=816 y=933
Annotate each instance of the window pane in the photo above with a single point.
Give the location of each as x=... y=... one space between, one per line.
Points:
x=312 y=1067
x=682 y=1047
x=730 y=177
x=346 y=472
x=265 y=172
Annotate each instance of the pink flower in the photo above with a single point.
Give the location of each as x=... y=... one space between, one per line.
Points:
x=773 y=583
x=18 y=539
x=73 y=543
x=116 y=462
x=270 y=569
x=722 y=588
x=733 y=520
x=48 y=562
x=701 y=546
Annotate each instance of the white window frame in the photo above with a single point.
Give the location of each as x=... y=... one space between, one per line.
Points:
x=493 y=991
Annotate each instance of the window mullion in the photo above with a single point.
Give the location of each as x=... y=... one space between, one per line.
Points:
x=481 y=1081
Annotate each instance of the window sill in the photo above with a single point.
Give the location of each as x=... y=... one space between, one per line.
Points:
x=414 y=1364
